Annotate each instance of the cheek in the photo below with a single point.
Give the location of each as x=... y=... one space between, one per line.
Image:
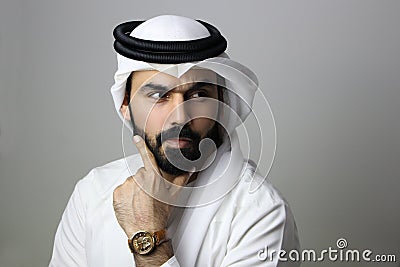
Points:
x=155 y=122
x=151 y=120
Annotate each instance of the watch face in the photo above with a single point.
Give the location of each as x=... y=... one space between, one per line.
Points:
x=143 y=242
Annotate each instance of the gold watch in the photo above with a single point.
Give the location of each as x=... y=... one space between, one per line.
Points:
x=144 y=242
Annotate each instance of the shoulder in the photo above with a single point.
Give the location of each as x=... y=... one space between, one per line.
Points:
x=256 y=197
x=257 y=205
x=256 y=190
x=103 y=179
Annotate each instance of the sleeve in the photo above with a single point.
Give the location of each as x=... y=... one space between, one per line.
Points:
x=69 y=242
x=172 y=262
x=257 y=232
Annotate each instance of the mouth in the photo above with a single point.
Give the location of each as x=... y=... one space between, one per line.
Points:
x=179 y=142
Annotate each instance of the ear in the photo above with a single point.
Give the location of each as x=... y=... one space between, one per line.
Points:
x=125 y=109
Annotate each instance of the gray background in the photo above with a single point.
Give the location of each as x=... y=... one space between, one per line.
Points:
x=330 y=70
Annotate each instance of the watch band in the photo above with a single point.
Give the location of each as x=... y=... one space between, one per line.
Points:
x=160 y=237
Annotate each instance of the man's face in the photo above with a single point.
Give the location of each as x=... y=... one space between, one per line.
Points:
x=174 y=114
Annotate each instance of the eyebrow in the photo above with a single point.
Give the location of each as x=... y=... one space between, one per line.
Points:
x=151 y=87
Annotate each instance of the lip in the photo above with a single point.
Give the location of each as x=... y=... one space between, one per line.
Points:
x=178 y=142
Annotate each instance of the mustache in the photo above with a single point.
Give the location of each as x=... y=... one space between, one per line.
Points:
x=178 y=132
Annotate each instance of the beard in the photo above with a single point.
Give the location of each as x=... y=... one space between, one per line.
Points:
x=165 y=158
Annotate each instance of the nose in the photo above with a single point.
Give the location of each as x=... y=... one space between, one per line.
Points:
x=178 y=110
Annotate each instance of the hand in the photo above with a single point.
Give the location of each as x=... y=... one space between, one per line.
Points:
x=137 y=210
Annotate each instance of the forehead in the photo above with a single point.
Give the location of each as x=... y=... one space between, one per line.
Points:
x=141 y=78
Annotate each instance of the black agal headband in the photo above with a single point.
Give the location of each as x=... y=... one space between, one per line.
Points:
x=167 y=52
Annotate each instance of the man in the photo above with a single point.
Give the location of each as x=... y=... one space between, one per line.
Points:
x=184 y=200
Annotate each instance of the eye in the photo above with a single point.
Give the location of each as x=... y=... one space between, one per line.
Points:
x=199 y=94
x=158 y=96
x=155 y=95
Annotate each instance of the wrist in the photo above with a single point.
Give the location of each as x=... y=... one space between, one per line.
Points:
x=158 y=257
x=145 y=242
x=130 y=232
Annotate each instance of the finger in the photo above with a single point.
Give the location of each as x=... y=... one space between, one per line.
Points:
x=148 y=158
x=145 y=182
x=182 y=180
x=178 y=185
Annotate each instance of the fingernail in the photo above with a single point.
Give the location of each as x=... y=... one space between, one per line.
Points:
x=136 y=139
